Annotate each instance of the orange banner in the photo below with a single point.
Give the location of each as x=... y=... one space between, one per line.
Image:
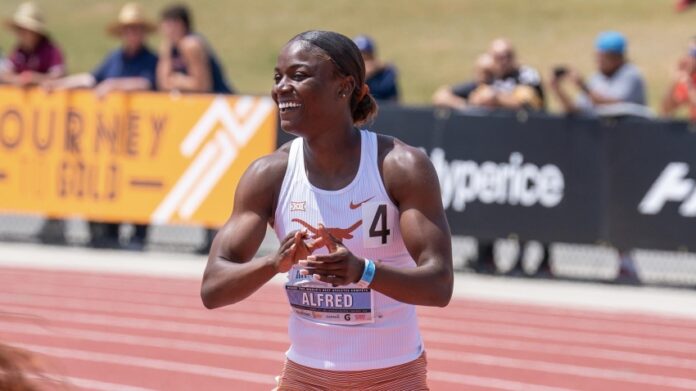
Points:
x=144 y=157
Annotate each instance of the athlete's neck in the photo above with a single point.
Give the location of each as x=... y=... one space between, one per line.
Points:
x=333 y=154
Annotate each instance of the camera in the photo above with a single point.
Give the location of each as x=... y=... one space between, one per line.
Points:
x=560 y=71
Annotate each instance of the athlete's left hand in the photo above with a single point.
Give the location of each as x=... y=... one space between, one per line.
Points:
x=339 y=267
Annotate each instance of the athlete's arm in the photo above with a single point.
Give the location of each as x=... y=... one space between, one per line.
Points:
x=411 y=180
x=232 y=272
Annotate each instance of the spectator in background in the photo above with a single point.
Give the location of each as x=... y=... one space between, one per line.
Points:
x=35 y=57
x=617 y=89
x=683 y=5
x=131 y=67
x=514 y=87
x=457 y=96
x=503 y=84
x=380 y=77
x=683 y=89
x=186 y=62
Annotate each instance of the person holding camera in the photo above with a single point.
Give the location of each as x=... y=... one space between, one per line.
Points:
x=616 y=89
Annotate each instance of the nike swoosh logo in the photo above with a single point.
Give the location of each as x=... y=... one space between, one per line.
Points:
x=356 y=206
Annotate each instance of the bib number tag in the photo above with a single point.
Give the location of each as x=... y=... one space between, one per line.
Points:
x=344 y=306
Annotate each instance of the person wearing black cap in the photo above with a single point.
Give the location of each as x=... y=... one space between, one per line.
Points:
x=381 y=77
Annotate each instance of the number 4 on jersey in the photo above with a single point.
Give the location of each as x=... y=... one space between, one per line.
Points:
x=381 y=220
x=377 y=232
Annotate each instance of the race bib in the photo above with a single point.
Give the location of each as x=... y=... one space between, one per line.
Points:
x=344 y=306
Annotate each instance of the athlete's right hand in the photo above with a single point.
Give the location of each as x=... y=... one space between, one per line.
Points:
x=292 y=249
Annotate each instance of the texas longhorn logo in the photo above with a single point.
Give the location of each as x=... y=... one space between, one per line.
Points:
x=231 y=128
x=339 y=233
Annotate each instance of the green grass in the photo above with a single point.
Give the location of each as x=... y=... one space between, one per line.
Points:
x=432 y=42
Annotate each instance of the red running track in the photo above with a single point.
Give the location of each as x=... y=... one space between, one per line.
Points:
x=134 y=333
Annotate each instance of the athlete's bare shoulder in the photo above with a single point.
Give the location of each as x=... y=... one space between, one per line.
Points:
x=396 y=155
x=402 y=166
x=268 y=171
x=260 y=185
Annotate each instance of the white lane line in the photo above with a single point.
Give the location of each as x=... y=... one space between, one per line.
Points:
x=55 y=258
x=274 y=356
x=479 y=381
x=89 y=384
x=149 y=310
x=617 y=340
x=513 y=316
x=89 y=278
x=565 y=337
x=139 y=341
x=451 y=323
x=491 y=343
x=196 y=329
x=481 y=359
x=531 y=332
x=123 y=296
x=546 y=317
x=142 y=362
x=115 y=281
x=547 y=314
x=623 y=327
x=577 y=351
x=565 y=369
x=243 y=317
x=489 y=328
x=544 y=294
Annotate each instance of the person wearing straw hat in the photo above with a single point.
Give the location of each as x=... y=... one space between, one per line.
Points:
x=131 y=67
x=35 y=58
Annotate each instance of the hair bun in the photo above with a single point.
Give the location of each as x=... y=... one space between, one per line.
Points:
x=366 y=107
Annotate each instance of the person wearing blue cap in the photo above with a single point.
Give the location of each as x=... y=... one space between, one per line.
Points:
x=381 y=78
x=617 y=89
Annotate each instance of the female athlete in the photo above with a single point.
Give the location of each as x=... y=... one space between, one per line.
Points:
x=363 y=236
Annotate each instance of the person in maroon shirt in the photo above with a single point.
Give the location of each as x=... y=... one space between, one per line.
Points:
x=35 y=58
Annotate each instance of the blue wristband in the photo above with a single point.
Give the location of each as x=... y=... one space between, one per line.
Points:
x=368 y=274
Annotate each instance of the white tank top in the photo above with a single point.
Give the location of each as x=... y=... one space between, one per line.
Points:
x=336 y=328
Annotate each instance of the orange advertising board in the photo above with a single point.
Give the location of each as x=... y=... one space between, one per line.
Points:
x=145 y=157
